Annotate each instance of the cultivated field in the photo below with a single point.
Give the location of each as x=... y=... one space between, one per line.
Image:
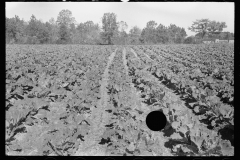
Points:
x=93 y=100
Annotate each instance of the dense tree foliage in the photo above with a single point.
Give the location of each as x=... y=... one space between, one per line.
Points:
x=149 y=33
x=65 y=30
x=153 y=34
x=177 y=34
x=37 y=31
x=86 y=33
x=15 y=29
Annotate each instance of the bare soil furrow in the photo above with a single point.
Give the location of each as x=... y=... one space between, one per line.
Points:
x=135 y=54
x=125 y=61
x=142 y=52
x=99 y=118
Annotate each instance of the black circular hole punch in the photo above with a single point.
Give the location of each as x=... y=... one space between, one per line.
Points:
x=156 y=120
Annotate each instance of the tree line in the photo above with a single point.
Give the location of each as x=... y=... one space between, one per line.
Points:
x=65 y=30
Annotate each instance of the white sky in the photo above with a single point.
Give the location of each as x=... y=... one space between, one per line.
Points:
x=181 y=14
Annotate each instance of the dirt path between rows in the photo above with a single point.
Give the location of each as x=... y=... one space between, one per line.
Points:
x=99 y=119
x=135 y=54
x=125 y=61
x=146 y=109
x=142 y=52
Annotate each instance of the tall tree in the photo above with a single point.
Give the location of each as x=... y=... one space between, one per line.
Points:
x=200 y=27
x=92 y=32
x=121 y=35
x=53 y=30
x=109 y=27
x=15 y=30
x=37 y=31
x=43 y=33
x=72 y=31
x=151 y=25
x=64 y=34
x=32 y=27
x=64 y=21
x=204 y=27
x=177 y=34
x=134 y=35
x=149 y=33
x=79 y=37
x=87 y=33
x=216 y=27
x=11 y=30
x=162 y=34
x=65 y=17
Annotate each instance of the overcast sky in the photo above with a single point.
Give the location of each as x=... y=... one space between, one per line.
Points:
x=137 y=13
